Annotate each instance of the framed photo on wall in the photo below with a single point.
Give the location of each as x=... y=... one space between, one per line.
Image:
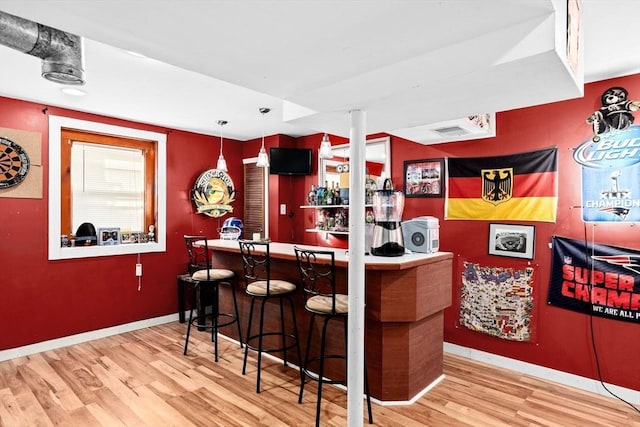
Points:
x=516 y=241
x=424 y=178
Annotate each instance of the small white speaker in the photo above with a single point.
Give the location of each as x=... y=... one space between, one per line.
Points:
x=421 y=234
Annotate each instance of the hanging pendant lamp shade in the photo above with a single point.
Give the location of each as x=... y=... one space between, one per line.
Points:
x=263 y=159
x=326 y=152
x=222 y=163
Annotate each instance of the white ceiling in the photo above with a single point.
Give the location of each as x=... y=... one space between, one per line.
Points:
x=407 y=64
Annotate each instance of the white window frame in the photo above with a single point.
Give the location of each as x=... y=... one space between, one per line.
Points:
x=56 y=123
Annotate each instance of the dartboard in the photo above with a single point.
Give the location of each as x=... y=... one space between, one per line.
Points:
x=14 y=163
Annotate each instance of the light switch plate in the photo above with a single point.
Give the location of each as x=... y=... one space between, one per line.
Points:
x=283 y=209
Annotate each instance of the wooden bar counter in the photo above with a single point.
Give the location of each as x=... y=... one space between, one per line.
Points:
x=405 y=299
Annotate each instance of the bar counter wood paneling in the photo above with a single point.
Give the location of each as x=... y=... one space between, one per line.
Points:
x=405 y=299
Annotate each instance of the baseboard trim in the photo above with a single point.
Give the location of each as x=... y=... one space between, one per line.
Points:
x=414 y=399
x=39 y=347
x=583 y=383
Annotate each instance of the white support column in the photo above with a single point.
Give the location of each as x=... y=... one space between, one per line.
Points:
x=356 y=275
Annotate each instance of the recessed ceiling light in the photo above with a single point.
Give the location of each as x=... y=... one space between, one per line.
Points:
x=73 y=91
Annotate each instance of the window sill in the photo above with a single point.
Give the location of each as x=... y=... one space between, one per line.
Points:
x=98 y=251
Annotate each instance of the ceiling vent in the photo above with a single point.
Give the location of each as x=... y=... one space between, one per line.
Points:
x=471 y=127
x=451 y=131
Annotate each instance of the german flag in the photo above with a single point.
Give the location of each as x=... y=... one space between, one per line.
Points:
x=521 y=187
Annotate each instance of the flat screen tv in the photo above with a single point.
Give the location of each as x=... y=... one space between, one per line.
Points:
x=289 y=161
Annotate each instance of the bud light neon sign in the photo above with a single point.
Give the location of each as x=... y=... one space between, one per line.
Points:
x=618 y=149
x=611 y=176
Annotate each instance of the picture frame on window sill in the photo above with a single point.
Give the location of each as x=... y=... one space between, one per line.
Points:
x=424 y=178
x=510 y=240
x=108 y=236
x=125 y=236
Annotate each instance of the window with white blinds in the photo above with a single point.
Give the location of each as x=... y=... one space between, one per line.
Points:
x=107 y=186
x=107 y=176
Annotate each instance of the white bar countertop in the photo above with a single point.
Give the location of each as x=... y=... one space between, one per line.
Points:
x=372 y=262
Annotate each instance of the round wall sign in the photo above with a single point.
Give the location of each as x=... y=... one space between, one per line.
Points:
x=14 y=163
x=213 y=193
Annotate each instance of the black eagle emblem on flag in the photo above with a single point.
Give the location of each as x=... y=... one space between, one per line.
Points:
x=497 y=185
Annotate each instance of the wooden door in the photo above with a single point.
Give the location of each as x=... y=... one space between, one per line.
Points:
x=254 y=201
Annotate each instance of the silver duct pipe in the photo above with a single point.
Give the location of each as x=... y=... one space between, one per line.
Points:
x=61 y=53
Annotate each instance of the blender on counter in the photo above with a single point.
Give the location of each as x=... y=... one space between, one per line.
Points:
x=388 y=205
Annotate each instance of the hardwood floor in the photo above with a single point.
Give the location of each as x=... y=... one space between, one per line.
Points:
x=141 y=378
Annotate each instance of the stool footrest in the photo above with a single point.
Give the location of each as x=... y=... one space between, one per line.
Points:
x=315 y=377
x=314 y=374
x=290 y=337
x=201 y=326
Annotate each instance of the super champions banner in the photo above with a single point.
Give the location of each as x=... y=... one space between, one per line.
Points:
x=522 y=187
x=593 y=278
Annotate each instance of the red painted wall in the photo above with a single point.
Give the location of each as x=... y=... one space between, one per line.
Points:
x=562 y=338
x=44 y=299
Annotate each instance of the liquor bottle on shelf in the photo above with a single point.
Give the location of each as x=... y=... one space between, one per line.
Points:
x=329 y=194
x=320 y=220
x=368 y=217
x=336 y=194
x=320 y=195
x=311 y=197
x=369 y=188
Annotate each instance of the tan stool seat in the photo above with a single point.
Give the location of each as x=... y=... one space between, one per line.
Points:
x=324 y=304
x=276 y=287
x=214 y=274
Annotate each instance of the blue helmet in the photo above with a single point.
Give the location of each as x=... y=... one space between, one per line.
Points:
x=231 y=229
x=232 y=222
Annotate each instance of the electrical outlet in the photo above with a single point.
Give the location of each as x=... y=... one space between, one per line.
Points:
x=138 y=270
x=283 y=209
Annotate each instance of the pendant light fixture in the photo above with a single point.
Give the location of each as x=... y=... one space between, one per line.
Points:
x=263 y=159
x=222 y=163
x=326 y=152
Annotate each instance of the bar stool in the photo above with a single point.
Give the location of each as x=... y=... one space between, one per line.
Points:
x=317 y=273
x=206 y=282
x=261 y=287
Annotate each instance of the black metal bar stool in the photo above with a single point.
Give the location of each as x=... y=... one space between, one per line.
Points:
x=261 y=287
x=317 y=273
x=206 y=282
